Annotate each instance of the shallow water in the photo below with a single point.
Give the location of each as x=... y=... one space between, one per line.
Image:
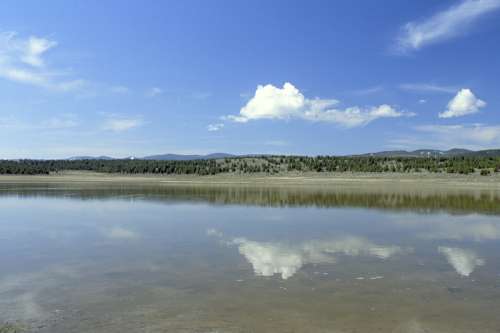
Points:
x=93 y=258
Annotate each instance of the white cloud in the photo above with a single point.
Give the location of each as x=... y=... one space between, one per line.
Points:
x=427 y=87
x=422 y=101
x=34 y=49
x=355 y=116
x=470 y=136
x=121 y=124
x=444 y=25
x=270 y=102
x=215 y=127
x=269 y=258
x=464 y=103
x=21 y=60
x=463 y=261
x=67 y=121
x=368 y=91
x=64 y=121
x=476 y=133
x=69 y=85
x=153 y=92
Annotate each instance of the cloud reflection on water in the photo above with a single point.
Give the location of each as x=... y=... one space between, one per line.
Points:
x=270 y=258
x=118 y=232
x=463 y=261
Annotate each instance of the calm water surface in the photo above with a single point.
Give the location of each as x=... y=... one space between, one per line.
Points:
x=80 y=258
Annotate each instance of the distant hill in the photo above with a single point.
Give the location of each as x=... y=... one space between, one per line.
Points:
x=179 y=157
x=436 y=153
x=487 y=153
x=77 y=158
x=388 y=153
x=161 y=157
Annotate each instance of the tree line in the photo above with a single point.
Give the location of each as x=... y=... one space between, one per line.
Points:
x=260 y=164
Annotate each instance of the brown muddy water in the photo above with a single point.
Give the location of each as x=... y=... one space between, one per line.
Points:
x=115 y=258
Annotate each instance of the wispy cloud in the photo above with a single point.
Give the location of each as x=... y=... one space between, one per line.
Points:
x=215 y=127
x=120 y=90
x=118 y=123
x=477 y=133
x=154 y=91
x=468 y=227
x=22 y=61
x=471 y=136
x=427 y=87
x=201 y=95
x=444 y=25
x=64 y=121
x=368 y=91
x=270 y=102
x=464 y=103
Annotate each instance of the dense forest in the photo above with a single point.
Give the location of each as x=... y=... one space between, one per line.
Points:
x=260 y=164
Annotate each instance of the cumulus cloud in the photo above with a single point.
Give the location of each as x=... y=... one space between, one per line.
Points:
x=270 y=258
x=463 y=261
x=22 y=60
x=120 y=124
x=270 y=102
x=215 y=127
x=444 y=25
x=464 y=103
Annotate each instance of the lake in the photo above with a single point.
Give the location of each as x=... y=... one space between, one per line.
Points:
x=129 y=258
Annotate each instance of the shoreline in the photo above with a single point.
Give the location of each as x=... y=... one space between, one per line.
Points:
x=306 y=179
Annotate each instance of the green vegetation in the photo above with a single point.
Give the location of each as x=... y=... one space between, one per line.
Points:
x=260 y=164
x=10 y=328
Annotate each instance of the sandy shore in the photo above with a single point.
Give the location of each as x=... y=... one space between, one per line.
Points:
x=313 y=179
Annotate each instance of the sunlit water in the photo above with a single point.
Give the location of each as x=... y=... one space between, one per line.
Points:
x=224 y=259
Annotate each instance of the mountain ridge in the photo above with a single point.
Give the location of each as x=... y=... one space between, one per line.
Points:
x=435 y=153
x=387 y=153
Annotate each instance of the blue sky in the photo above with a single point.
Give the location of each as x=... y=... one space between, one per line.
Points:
x=295 y=77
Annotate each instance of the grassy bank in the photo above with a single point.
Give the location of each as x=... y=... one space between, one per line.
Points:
x=303 y=179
